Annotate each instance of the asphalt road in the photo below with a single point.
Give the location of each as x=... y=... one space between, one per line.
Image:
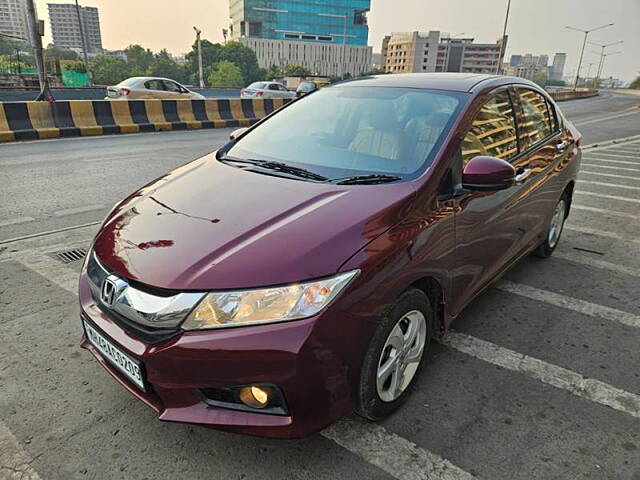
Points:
x=541 y=378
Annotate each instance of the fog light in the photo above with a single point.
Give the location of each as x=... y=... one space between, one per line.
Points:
x=254 y=397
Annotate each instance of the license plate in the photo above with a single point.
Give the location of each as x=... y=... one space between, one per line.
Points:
x=129 y=367
x=111 y=93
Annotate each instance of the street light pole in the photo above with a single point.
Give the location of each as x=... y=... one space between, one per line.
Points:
x=84 y=42
x=36 y=41
x=584 y=43
x=200 y=71
x=602 y=55
x=504 y=34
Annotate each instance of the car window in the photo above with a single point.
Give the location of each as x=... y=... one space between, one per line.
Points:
x=553 y=115
x=535 y=123
x=493 y=131
x=257 y=85
x=154 y=85
x=306 y=87
x=341 y=131
x=171 y=86
x=129 y=82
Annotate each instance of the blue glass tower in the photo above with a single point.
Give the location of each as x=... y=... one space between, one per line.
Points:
x=341 y=22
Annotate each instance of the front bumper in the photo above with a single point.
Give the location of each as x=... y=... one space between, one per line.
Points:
x=316 y=379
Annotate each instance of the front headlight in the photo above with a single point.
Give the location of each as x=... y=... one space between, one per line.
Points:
x=268 y=305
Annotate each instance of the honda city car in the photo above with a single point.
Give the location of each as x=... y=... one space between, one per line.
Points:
x=300 y=272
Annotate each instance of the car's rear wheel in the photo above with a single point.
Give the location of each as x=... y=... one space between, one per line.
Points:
x=546 y=248
x=395 y=355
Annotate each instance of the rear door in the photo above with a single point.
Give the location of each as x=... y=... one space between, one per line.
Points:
x=491 y=226
x=544 y=149
x=154 y=89
x=175 y=91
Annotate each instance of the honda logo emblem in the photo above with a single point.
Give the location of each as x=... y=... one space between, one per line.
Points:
x=111 y=287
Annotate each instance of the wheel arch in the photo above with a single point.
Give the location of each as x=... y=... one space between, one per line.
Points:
x=435 y=293
x=568 y=191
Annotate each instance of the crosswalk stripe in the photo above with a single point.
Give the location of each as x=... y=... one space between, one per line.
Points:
x=603 y=233
x=570 y=303
x=395 y=455
x=609 y=175
x=610 y=197
x=597 y=263
x=548 y=373
x=609 y=153
x=606 y=184
x=575 y=206
x=598 y=165
x=608 y=160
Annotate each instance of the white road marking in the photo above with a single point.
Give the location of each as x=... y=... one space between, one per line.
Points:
x=606 y=184
x=610 y=197
x=597 y=263
x=570 y=303
x=610 y=175
x=598 y=165
x=605 y=152
x=608 y=160
x=14 y=461
x=559 y=377
x=624 y=150
x=575 y=206
x=51 y=269
x=604 y=118
x=73 y=211
x=602 y=233
x=395 y=455
x=15 y=221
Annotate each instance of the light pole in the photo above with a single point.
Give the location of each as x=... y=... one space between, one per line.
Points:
x=586 y=33
x=504 y=34
x=36 y=30
x=84 y=42
x=602 y=55
x=199 y=44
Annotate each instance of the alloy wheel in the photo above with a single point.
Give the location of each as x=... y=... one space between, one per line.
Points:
x=557 y=222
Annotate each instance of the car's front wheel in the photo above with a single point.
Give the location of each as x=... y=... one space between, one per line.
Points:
x=546 y=248
x=395 y=355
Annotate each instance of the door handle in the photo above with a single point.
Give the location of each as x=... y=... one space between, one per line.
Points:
x=522 y=175
x=561 y=146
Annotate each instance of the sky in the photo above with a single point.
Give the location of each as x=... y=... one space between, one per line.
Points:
x=535 y=26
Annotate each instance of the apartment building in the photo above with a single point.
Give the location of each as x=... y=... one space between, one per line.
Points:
x=13 y=19
x=438 y=52
x=65 y=28
x=328 y=38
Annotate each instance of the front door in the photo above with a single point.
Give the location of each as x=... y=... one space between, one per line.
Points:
x=490 y=226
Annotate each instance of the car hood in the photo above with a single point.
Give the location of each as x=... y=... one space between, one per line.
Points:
x=208 y=225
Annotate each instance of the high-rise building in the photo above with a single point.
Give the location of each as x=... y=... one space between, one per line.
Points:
x=436 y=52
x=328 y=38
x=13 y=19
x=516 y=60
x=557 y=67
x=65 y=28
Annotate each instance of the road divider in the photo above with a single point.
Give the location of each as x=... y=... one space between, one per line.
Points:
x=37 y=120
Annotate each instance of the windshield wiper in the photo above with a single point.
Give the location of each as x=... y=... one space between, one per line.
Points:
x=365 y=179
x=278 y=166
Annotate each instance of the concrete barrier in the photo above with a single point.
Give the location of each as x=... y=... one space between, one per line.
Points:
x=35 y=120
x=562 y=95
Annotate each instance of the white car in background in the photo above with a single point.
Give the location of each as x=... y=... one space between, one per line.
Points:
x=139 y=88
x=266 y=90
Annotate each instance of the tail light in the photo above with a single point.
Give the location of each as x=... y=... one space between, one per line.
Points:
x=259 y=93
x=242 y=92
x=125 y=91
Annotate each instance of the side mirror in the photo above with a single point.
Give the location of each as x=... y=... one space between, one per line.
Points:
x=237 y=132
x=488 y=173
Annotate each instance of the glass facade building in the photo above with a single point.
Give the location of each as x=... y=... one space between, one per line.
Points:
x=342 y=22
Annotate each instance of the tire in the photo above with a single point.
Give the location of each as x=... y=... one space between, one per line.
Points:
x=554 y=231
x=411 y=311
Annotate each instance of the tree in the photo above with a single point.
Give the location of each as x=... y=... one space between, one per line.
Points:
x=210 y=57
x=61 y=53
x=245 y=59
x=162 y=66
x=75 y=65
x=225 y=74
x=291 y=70
x=139 y=59
x=272 y=72
x=540 y=78
x=109 y=70
x=635 y=83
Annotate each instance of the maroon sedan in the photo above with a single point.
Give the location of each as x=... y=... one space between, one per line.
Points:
x=300 y=272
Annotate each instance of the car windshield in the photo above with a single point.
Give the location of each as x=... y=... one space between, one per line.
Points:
x=257 y=85
x=348 y=131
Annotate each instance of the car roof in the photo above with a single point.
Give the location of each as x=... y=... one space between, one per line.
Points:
x=457 y=82
x=144 y=79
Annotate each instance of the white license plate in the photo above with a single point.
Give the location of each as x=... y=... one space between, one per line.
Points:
x=112 y=94
x=116 y=357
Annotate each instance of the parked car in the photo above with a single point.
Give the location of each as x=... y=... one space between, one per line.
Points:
x=266 y=90
x=136 y=88
x=301 y=271
x=306 y=87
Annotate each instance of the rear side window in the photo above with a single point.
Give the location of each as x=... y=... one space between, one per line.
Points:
x=493 y=131
x=274 y=86
x=535 y=123
x=154 y=85
x=171 y=86
x=257 y=85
